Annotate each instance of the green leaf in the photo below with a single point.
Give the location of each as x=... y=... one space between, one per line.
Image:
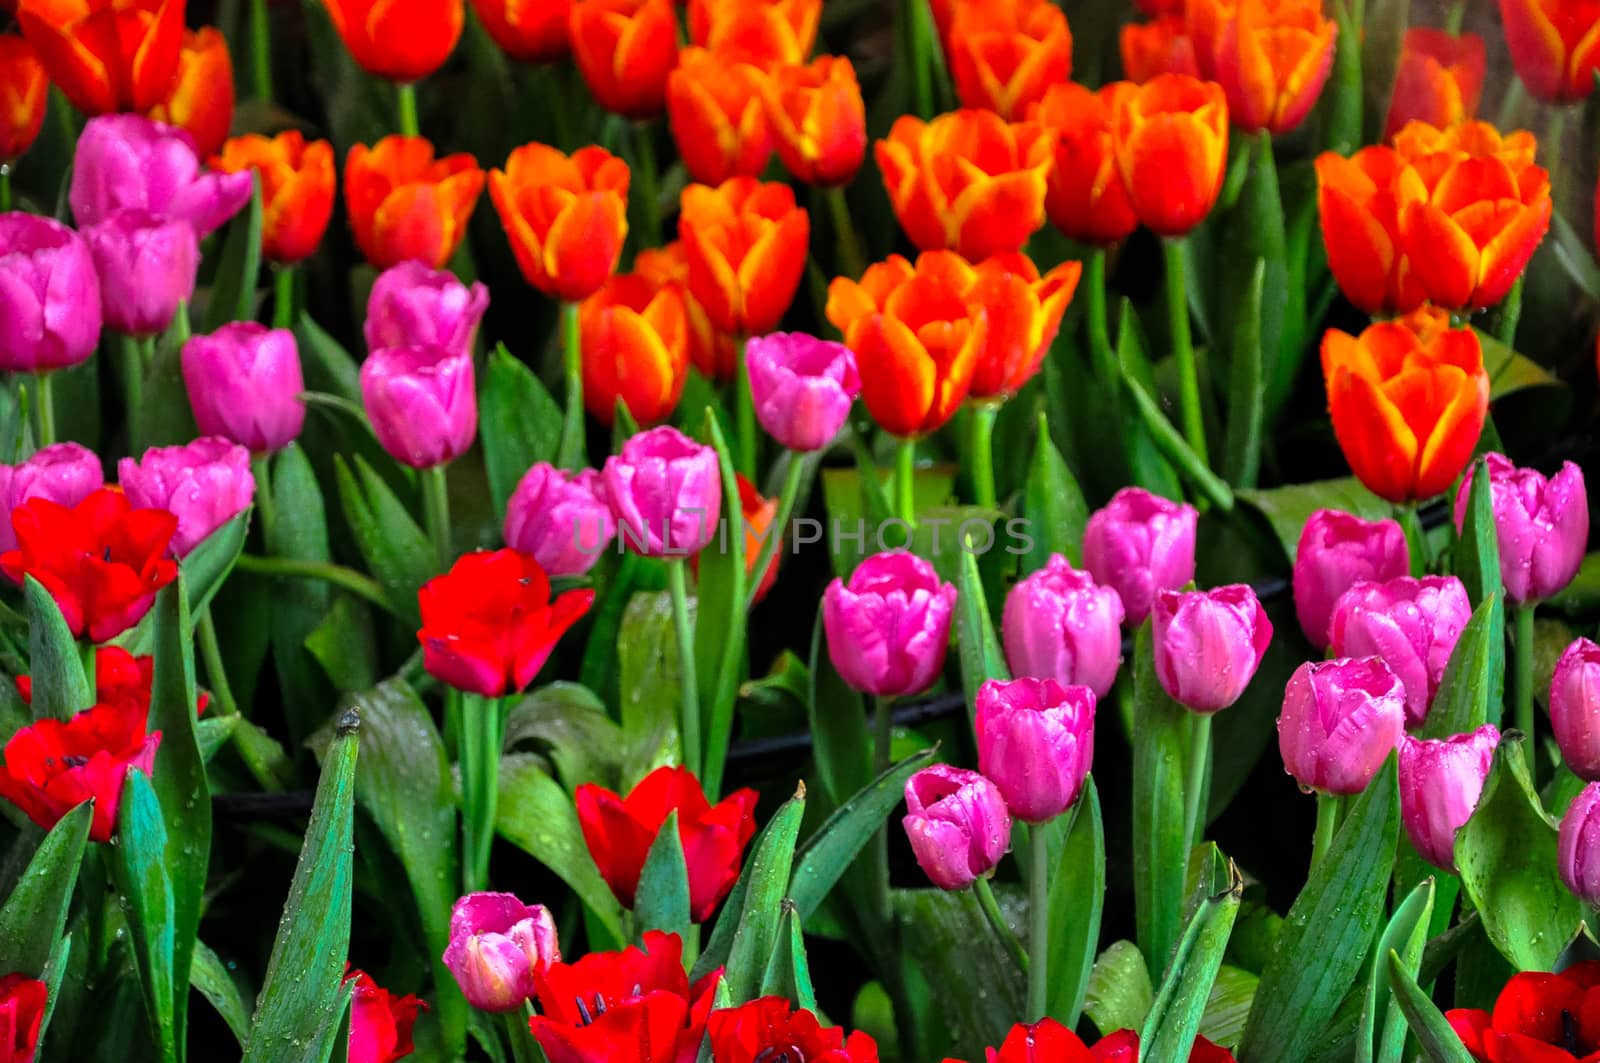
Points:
x=147 y=902
x=1288 y=508
x=719 y=626
x=981 y=656
x=1440 y=1043
x=1160 y=849
x=1325 y=938
x=768 y=875
x=1077 y=894
x=1180 y=1002
x=1477 y=559
x=396 y=550
x=647 y=658
x=520 y=424
x=210 y=976
x=1382 y=1032
x=1507 y=858
x=1470 y=691
x=1053 y=505
x=788 y=973
x=570 y=724
x=300 y=531
x=945 y=937
x=1241 y=461
x=1170 y=442
x=662 y=902
x=1510 y=372
x=1572 y=250
x=1120 y=994
x=60 y=687
x=233 y=296
x=35 y=914
x=841 y=744
x=1229 y=1007
x=1343 y=95
x=214 y=733
x=345 y=645
x=305 y=976
x=328 y=366
x=209 y=563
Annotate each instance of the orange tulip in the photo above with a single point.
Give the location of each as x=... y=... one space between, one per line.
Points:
x=106 y=55
x=1024 y=312
x=532 y=31
x=1434 y=149
x=23 y=91
x=296 y=189
x=402 y=40
x=1271 y=57
x=712 y=352
x=967 y=181
x=1360 y=201
x=1555 y=46
x=1408 y=399
x=1171 y=138
x=715 y=110
x=818 y=120
x=1084 y=197
x=1160 y=46
x=626 y=50
x=1439 y=81
x=1004 y=56
x=635 y=347
x=201 y=100
x=566 y=217
x=849 y=300
x=758 y=514
x=768 y=33
x=746 y=245
x=404 y=204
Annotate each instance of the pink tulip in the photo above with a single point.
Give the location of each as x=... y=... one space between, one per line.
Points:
x=1578 y=845
x=414 y=306
x=957 y=823
x=1338 y=550
x=49 y=295
x=204 y=484
x=65 y=473
x=1575 y=708
x=889 y=627
x=422 y=403
x=665 y=491
x=1440 y=782
x=125 y=162
x=802 y=387
x=244 y=384
x=498 y=947
x=1542 y=526
x=147 y=265
x=1208 y=644
x=1036 y=743
x=1059 y=625
x=560 y=519
x=1413 y=624
x=1138 y=544
x=1341 y=719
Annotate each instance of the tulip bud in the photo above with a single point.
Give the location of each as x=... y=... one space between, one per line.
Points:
x=1575 y=708
x=1140 y=543
x=65 y=473
x=244 y=384
x=1338 y=550
x=957 y=823
x=1542 y=525
x=1440 y=782
x=498 y=946
x=125 y=162
x=147 y=267
x=1208 y=644
x=1059 y=625
x=1579 y=845
x=422 y=403
x=1413 y=624
x=665 y=490
x=889 y=627
x=49 y=295
x=1340 y=721
x=802 y=387
x=1036 y=742
x=204 y=484
x=414 y=306
x=560 y=519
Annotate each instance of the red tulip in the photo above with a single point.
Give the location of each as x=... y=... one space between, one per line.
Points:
x=746 y=246
x=119 y=678
x=1439 y=80
x=625 y=50
x=380 y=1021
x=22 y=1008
x=53 y=766
x=402 y=40
x=769 y=1028
x=23 y=91
x=1535 y=1019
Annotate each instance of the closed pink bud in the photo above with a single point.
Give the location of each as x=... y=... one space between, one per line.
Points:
x=1340 y=721
x=665 y=491
x=422 y=402
x=414 y=306
x=889 y=627
x=1578 y=847
x=1575 y=708
x=1138 y=544
x=1338 y=550
x=498 y=947
x=125 y=162
x=1440 y=783
x=1542 y=526
x=1036 y=743
x=64 y=473
x=560 y=519
x=244 y=384
x=1059 y=625
x=204 y=484
x=1208 y=644
x=146 y=264
x=49 y=295
x=957 y=823
x=802 y=387
x=1413 y=624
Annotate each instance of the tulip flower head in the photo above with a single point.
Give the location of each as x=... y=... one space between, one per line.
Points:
x=106 y=55
x=1024 y=312
x=527 y=32
x=64 y=473
x=147 y=266
x=888 y=628
x=1003 y=56
x=422 y=402
x=1541 y=525
x=53 y=766
x=767 y=33
x=566 y=216
x=23 y=1003
x=201 y=100
x=204 y=484
x=380 y=1021
x=402 y=40
x=24 y=88
x=957 y=824
x=1084 y=196
x=50 y=311
x=625 y=50
x=718 y=120
x=119 y=678
x=1413 y=624
x=1340 y=721
x=770 y=1027
x=244 y=383
x=1160 y=46
x=1440 y=782
x=1579 y=845
x=1208 y=644
x=404 y=203
x=635 y=342
x=665 y=492
x=1058 y=624
x=1271 y=57
x=1575 y=708
x=560 y=519
x=1554 y=46
x=127 y=163
x=497 y=947
x=802 y=387
x=1036 y=744
x=1336 y=551
x=1171 y=138
x=818 y=120
x=746 y=246
x=414 y=306
x=1439 y=80
x=711 y=350
x=297 y=189
x=1139 y=544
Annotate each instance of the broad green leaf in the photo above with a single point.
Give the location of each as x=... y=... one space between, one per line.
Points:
x=1288 y=508
x=646 y=656
x=298 y=530
x=233 y=296
x=35 y=914
x=1470 y=691
x=979 y=647
x=1252 y=349
x=1341 y=102
x=618 y=575
x=1383 y=1032
x=210 y=976
x=328 y=366
x=395 y=548
x=1160 y=849
x=1120 y=994
x=1439 y=1041
x=1229 y=1007
x=1477 y=558
x=214 y=733
x=60 y=687
x=209 y=563
x=147 y=902
x=345 y=645
x=1172 y=445
x=1180 y=1001
x=1053 y=504
x=521 y=424
x=1077 y=894
x=569 y=723
x=788 y=973
x=1511 y=372
x=1149 y=467
x=662 y=900
x=770 y=868
x=719 y=625
x=946 y=937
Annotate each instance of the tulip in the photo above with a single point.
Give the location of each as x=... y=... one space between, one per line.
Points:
x=560 y=519
x=403 y=204
x=1271 y=57
x=64 y=473
x=402 y=40
x=1171 y=142
x=1439 y=79
x=498 y=945
x=23 y=1003
x=120 y=678
x=1340 y=721
x=1413 y=624
x=106 y=55
x=1024 y=312
x=850 y=301
x=767 y=33
x=1336 y=551
x=146 y=265
x=124 y=162
x=54 y=765
x=1036 y=744
x=414 y=306
x=1360 y=201
x=889 y=627
x=818 y=120
x=380 y=1021
x=244 y=384
x=746 y=245
x=1059 y=625
x=957 y=823
x=1160 y=46
x=201 y=100
x=1084 y=197
x=422 y=403
x=757 y=514
x=769 y=1028
x=1553 y=46
x=625 y=50
x=1575 y=708
x=204 y=484
x=1577 y=845
x=1408 y=401
x=966 y=181
x=635 y=344
x=1208 y=644
x=665 y=491
x=715 y=110
x=527 y=32
x=566 y=216
x=1004 y=56
x=1440 y=782
x=1119 y=1047
x=1138 y=544
x=1433 y=150
x=712 y=351
x=297 y=190
x=23 y=92
x=1542 y=526
x=50 y=311
x=802 y=387
x=1526 y=1024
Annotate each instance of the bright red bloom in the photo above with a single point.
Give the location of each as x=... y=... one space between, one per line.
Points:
x=1048 y=1041
x=1160 y=46
x=380 y=1022
x=23 y=92
x=404 y=204
x=102 y=560
x=1123 y=1047
x=533 y=31
x=746 y=244
x=566 y=216
x=119 y=678
x=1554 y=45
x=53 y=766
x=634 y=1005
x=625 y=50
x=818 y=120
x=1084 y=197
x=715 y=110
x=1004 y=56
x=769 y=1028
x=22 y=1006
x=1538 y=1018
x=619 y=832
x=768 y=33
x=106 y=55
x=201 y=100
x=402 y=40
x=1439 y=80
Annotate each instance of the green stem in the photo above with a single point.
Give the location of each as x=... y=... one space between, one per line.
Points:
x=1453 y=17
x=852 y=262
x=982 y=453
x=1523 y=663
x=483 y=727
x=686 y=671
x=86 y=656
x=261 y=469
x=336 y=575
x=744 y=409
x=261 y=49
x=905 y=473
x=917 y=36
x=644 y=176
x=282 y=291
x=1327 y=823
x=1038 y=922
x=524 y=1049
x=132 y=381
x=406 y=95
x=793 y=478
x=572 y=453
x=1194 y=788
x=1510 y=315
x=436 y=513
x=45 y=401
x=5 y=187
x=882 y=756
x=1100 y=349
x=216 y=674
x=1194 y=427
x=991 y=911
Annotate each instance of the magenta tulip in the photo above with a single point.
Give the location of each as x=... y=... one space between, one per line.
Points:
x=1575 y=708
x=802 y=387
x=125 y=162
x=889 y=627
x=65 y=473
x=146 y=264
x=1059 y=625
x=560 y=519
x=1542 y=526
x=1578 y=846
x=957 y=823
x=414 y=306
x=204 y=484
x=1138 y=544
x=244 y=384
x=1413 y=624
x=49 y=295
x=1338 y=550
x=665 y=491
x=1340 y=721
x=422 y=403
x=498 y=947
x=1440 y=782
x=1208 y=644
x=1036 y=743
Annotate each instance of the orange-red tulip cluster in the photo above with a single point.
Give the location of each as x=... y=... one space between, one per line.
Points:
x=766 y=33
x=106 y=55
x=404 y=204
x=566 y=216
x=297 y=188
